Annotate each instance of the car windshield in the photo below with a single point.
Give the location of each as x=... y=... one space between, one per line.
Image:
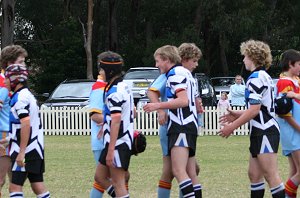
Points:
x=73 y=90
x=224 y=82
x=142 y=74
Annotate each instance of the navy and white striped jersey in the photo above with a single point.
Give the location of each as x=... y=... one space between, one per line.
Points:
x=260 y=90
x=23 y=104
x=182 y=120
x=119 y=99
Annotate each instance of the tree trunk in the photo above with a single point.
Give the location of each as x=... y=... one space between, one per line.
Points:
x=87 y=37
x=112 y=23
x=7 y=27
x=134 y=6
x=222 y=44
x=88 y=50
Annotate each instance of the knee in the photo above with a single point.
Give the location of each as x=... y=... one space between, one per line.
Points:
x=127 y=176
x=254 y=177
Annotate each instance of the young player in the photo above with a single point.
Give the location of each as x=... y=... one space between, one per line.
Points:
x=96 y=106
x=264 y=130
x=12 y=54
x=190 y=55
x=182 y=115
x=117 y=129
x=290 y=123
x=27 y=139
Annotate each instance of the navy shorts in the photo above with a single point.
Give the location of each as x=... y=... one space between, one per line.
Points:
x=183 y=140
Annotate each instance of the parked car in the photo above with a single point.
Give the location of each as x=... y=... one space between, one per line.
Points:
x=206 y=90
x=70 y=93
x=139 y=79
x=222 y=84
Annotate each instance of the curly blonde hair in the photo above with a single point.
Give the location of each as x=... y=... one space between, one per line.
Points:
x=189 y=51
x=258 y=51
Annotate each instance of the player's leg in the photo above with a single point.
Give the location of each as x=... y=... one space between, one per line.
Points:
x=118 y=181
x=97 y=190
x=4 y=169
x=256 y=178
x=192 y=172
x=179 y=158
x=291 y=186
x=165 y=182
x=16 y=184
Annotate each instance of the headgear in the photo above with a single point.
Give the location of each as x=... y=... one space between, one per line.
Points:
x=16 y=74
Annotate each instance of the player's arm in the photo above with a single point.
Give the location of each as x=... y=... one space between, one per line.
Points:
x=154 y=98
x=180 y=101
x=24 y=134
x=97 y=117
x=114 y=131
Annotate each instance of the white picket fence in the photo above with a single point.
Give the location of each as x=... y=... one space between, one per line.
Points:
x=75 y=121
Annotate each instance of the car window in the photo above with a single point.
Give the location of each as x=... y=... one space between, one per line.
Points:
x=223 y=81
x=73 y=90
x=142 y=74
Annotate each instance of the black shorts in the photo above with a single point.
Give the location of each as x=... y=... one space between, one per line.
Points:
x=34 y=172
x=264 y=144
x=182 y=140
x=121 y=158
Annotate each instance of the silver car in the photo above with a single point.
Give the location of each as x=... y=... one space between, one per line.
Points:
x=139 y=79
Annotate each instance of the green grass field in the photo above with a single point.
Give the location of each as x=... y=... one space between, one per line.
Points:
x=70 y=168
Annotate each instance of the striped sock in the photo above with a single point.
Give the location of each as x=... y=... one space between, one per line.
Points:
x=111 y=191
x=257 y=190
x=16 y=195
x=291 y=189
x=187 y=189
x=97 y=191
x=198 y=190
x=164 y=189
x=125 y=196
x=127 y=186
x=278 y=191
x=44 y=195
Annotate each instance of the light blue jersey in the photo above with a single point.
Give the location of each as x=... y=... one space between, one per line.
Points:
x=4 y=109
x=96 y=106
x=159 y=85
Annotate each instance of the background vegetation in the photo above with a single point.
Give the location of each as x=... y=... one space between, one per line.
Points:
x=70 y=168
x=52 y=32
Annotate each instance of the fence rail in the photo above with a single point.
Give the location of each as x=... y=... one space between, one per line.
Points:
x=75 y=121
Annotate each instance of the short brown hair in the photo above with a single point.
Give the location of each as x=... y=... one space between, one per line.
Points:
x=11 y=53
x=189 y=51
x=258 y=51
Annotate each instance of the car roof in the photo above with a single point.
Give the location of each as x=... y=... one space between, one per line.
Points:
x=222 y=77
x=78 y=80
x=140 y=68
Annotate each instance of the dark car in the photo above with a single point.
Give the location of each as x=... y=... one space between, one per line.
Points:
x=206 y=90
x=73 y=93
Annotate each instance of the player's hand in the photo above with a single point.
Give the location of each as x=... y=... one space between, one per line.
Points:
x=291 y=94
x=4 y=142
x=229 y=117
x=110 y=158
x=100 y=133
x=162 y=117
x=21 y=159
x=149 y=107
x=226 y=131
x=2 y=150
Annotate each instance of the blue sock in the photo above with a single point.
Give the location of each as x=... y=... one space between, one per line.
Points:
x=96 y=193
x=164 y=189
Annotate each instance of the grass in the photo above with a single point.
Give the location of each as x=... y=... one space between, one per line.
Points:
x=70 y=168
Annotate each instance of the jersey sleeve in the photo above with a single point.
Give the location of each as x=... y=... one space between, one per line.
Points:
x=256 y=88
x=159 y=84
x=3 y=96
x=22 y=106
x=115 y=102
x=284 y=85
x=96 y=97
x=178 y=82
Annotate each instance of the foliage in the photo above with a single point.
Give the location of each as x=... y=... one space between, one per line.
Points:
x=52 y=34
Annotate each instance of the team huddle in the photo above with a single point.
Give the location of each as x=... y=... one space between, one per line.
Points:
x=175 y=97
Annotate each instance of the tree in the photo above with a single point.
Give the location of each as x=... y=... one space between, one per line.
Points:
x=7 y=26
x=87 y=36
